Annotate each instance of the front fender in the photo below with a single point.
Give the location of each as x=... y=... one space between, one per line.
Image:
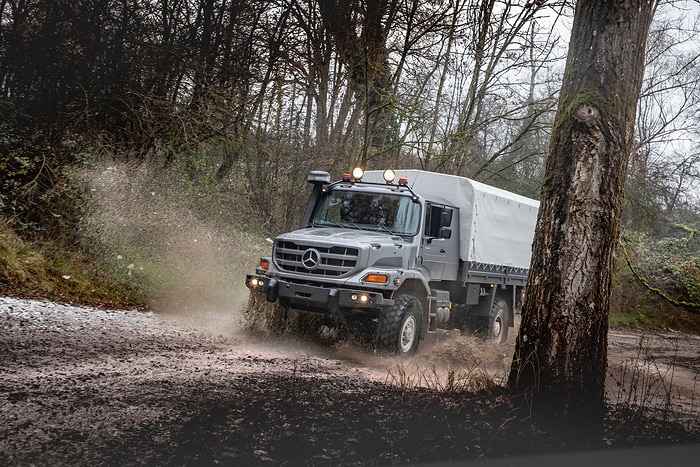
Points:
x=415 y=282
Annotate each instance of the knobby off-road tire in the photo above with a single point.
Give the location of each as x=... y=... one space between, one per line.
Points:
x=399 y=329
x=497 y=329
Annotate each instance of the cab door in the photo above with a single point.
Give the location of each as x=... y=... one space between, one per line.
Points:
x=440 y=242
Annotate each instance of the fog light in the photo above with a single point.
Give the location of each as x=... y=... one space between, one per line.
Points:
x=362 y=298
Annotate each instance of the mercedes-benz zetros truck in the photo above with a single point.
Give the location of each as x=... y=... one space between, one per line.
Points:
x=398 y=254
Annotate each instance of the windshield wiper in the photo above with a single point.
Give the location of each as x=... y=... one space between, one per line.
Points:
x=342 y=225
x=331 y=223
x=386 y=229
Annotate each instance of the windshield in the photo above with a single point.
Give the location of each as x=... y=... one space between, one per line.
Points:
x=369 y=211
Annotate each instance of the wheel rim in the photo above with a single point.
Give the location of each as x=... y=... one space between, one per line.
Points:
x=408 y=334
x=497 y=325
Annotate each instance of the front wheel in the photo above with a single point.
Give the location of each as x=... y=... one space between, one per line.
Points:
x=400 y=327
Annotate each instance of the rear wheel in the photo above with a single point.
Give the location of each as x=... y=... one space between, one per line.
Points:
x=498 y=321
x=400 y=327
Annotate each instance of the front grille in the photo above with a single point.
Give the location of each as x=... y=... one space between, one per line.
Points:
x=334 y=261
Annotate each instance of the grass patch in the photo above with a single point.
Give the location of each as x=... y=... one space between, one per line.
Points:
x=633 y=306
x=639 y=320
x=41 y=269
x=408 y=377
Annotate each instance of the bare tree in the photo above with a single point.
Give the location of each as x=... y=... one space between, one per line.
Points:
x=482 y=75
x=661 y=178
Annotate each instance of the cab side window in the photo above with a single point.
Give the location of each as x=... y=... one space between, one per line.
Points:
x=437 y=218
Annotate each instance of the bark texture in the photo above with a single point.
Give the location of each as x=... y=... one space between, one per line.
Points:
x=561 y=350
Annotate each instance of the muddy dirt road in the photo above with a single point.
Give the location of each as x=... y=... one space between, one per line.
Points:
x=82 y=386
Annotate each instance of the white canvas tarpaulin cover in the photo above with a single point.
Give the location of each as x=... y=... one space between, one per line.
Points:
x=496 y=226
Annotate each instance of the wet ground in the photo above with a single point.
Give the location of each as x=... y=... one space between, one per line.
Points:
x=82 y=386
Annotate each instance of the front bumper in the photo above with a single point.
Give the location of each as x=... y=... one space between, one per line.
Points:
x=316 y=297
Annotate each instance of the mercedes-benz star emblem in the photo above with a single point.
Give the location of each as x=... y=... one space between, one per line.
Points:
x=311 y=259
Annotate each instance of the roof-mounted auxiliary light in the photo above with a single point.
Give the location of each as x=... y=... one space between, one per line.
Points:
x=403 y=181
x=346 y=177
x=389 y=176
x=358 y=173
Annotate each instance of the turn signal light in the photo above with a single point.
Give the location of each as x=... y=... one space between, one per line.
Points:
x=377 y=278
x=265 y=264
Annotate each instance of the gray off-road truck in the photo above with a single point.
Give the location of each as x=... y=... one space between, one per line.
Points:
x=394 y=255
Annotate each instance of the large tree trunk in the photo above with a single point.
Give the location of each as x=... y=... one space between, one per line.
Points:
x=561 y=351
